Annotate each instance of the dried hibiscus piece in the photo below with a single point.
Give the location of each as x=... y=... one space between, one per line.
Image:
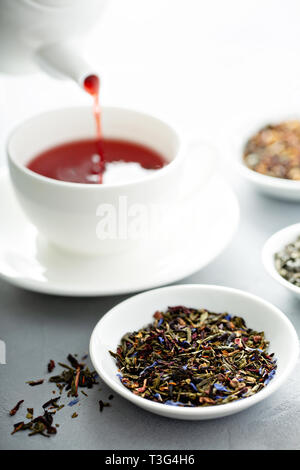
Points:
x=16 y=408
x=51 y=402
x=51 y=365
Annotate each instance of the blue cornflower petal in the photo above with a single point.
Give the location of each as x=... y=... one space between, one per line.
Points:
x=194 y=386
x=270 y=376
x=148 y=367
x=174 y=403
x=221 y=388
x=73 y=402
x=158 y=395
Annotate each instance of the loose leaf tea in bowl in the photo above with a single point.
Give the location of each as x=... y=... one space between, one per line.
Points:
x=275 y=151
x=189 y=357
x=287 y=262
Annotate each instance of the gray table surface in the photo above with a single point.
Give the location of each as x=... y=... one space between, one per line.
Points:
x=37 y=327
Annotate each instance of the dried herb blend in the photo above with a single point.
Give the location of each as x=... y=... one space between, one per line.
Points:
x=287 y=262
x=275 y=151
x=190 y=357
x=74 y=376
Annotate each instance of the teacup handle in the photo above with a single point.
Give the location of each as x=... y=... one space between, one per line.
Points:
x=200 y=165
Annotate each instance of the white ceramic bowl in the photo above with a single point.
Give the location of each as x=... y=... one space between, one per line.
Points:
x=276 y=187
x=137 y=312
x=274 y=244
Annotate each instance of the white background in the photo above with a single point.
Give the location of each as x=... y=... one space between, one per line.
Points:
x=201 y=64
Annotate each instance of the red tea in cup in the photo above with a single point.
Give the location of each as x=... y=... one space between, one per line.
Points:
x=80 y=161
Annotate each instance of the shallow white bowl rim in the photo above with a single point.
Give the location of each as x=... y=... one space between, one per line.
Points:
x=274 y=244
x=244 y=132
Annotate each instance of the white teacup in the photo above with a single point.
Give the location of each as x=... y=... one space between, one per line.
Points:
x=69 y=214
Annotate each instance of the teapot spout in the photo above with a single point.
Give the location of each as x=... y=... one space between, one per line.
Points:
x=63 y=61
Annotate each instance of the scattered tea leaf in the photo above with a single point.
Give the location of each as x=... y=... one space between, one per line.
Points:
x=33 y=383
x=51 y=365
x=29 y=414
x=103 y=405
x=14 y=410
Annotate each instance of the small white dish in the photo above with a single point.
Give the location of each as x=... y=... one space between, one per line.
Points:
x=26 y=259
x=276 y=187
x=275 y=244
x=138 y=311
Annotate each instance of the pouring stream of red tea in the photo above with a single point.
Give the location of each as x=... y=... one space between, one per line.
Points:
x=86 y=160
x=91 y=84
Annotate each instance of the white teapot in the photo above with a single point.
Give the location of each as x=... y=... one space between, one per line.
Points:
x=46 y=34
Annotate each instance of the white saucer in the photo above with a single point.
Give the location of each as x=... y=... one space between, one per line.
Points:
x=29 y=262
